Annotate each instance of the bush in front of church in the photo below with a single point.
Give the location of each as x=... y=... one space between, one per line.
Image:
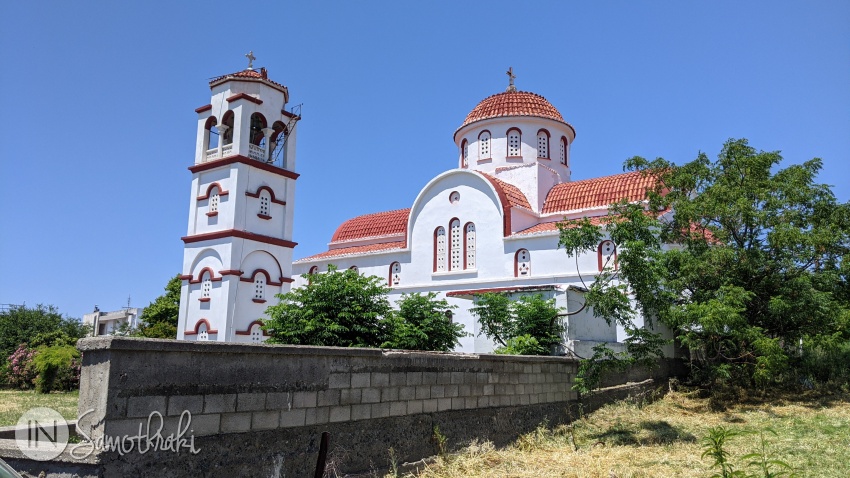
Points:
x=423 y=323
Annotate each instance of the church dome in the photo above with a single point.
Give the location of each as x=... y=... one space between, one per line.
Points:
x=513 y=103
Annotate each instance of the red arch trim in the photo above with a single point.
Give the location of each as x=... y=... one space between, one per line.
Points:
x=516 y=261
x=250 y=326
x=599 y=254
x=221 y=191
x=271 y=193
x=268 y=278
x=201 y=275
x=210 y=330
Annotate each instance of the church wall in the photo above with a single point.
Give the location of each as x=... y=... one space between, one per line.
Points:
x=202 y=223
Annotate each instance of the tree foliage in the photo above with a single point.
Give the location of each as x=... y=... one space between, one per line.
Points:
x=423 y=323
x=346 y=309
x=159 y=318
x=337 y=308
x=35 y=326
x=526 y=326
x=743 y=260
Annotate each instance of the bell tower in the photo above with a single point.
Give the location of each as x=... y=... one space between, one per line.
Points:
x=237 y=252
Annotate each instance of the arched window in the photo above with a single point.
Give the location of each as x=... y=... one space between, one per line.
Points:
x=278 y=142
x=543 y=144
x=395 y=274
x=203 y=333
x=265 y=202
x=258 y=124
x=522 y=263
x=214 y=200
x=256 y=333
x=206 y=285
x=607 y=255
x=464 y=148
x=227 y=122
x=455 y=249
x=440 y=249
x=563 y=152
x=260 y=287
x=469 y=245
x=484 y=145
x=514 y=143
x=354 y=268
x=211 y=133
x=314 y=270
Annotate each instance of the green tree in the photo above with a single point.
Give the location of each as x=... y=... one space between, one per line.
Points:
x=423 y=323
x=336 y=308
x=159 y=318
x=757 y=263
x=526 y=326
x=39 y=325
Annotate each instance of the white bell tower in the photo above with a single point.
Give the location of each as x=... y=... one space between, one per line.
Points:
x=238 y=250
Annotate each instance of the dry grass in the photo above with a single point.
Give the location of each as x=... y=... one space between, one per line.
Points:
x=662 y=439
x=13 y=404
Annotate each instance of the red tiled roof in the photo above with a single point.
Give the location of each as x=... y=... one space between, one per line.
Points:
x=515 y=197
x=373 y=225
x=261 y=75
x=355 y=250
x=513 y=103
x=552 y=226
x=597 y=192
x=501 y=290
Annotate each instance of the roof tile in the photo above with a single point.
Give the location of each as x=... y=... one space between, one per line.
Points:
x=372 y=225
x=515 y=196
x=513 y=103
x=597 y=192
x=355 y=250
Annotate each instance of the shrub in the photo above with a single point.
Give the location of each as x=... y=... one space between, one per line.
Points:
x=20 y=370
x=58 y=368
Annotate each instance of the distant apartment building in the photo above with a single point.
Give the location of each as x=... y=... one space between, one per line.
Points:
x=107 y=323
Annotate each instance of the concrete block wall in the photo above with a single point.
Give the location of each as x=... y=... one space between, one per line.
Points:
x=232 y=388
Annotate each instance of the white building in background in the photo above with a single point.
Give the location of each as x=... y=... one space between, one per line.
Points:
x=238 y=249
x=108 y=323
x=489 y=224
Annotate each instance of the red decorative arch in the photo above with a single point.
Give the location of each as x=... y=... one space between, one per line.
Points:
x=516 y=260
x=201 y=275
x=221 y=191
x=269 y=280
x=250 y=326
x=210 y=330
x=271 y=194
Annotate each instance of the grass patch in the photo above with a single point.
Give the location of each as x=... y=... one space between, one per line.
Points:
x=13 y=404
x=662 y=439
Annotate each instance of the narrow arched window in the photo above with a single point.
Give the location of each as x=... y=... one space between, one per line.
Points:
x=354 y=268
x=522 y=263
x=440 y=249
x=211 y=133
x=543 y=144
x=469 y=245
x=206 y=285
x=395 y=274
x=227 y=123
x=258 y=124
x=484 y=145
x=455 y=249
x=214 y=200
x=203 y=334
x=607 y=255
x=464 y=147
x=265 y=202
x=256 y=333
x=514 y=143
x=563 y=152
x=260 y=287
x=313 y=271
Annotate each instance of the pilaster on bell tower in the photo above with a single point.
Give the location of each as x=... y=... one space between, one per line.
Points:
x=238 y=247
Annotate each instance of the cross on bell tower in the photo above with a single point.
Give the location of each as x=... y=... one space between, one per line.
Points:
x=250 y=56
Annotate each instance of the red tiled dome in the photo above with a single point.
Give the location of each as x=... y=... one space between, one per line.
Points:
x=260 y=75
x=513 y=103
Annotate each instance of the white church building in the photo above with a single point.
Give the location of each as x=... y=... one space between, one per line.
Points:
x=486 y=224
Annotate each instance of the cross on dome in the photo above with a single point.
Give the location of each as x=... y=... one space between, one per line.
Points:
x=511 y=78
x=250 y=56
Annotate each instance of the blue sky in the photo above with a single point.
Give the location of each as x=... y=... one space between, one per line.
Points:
x=98 y=122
